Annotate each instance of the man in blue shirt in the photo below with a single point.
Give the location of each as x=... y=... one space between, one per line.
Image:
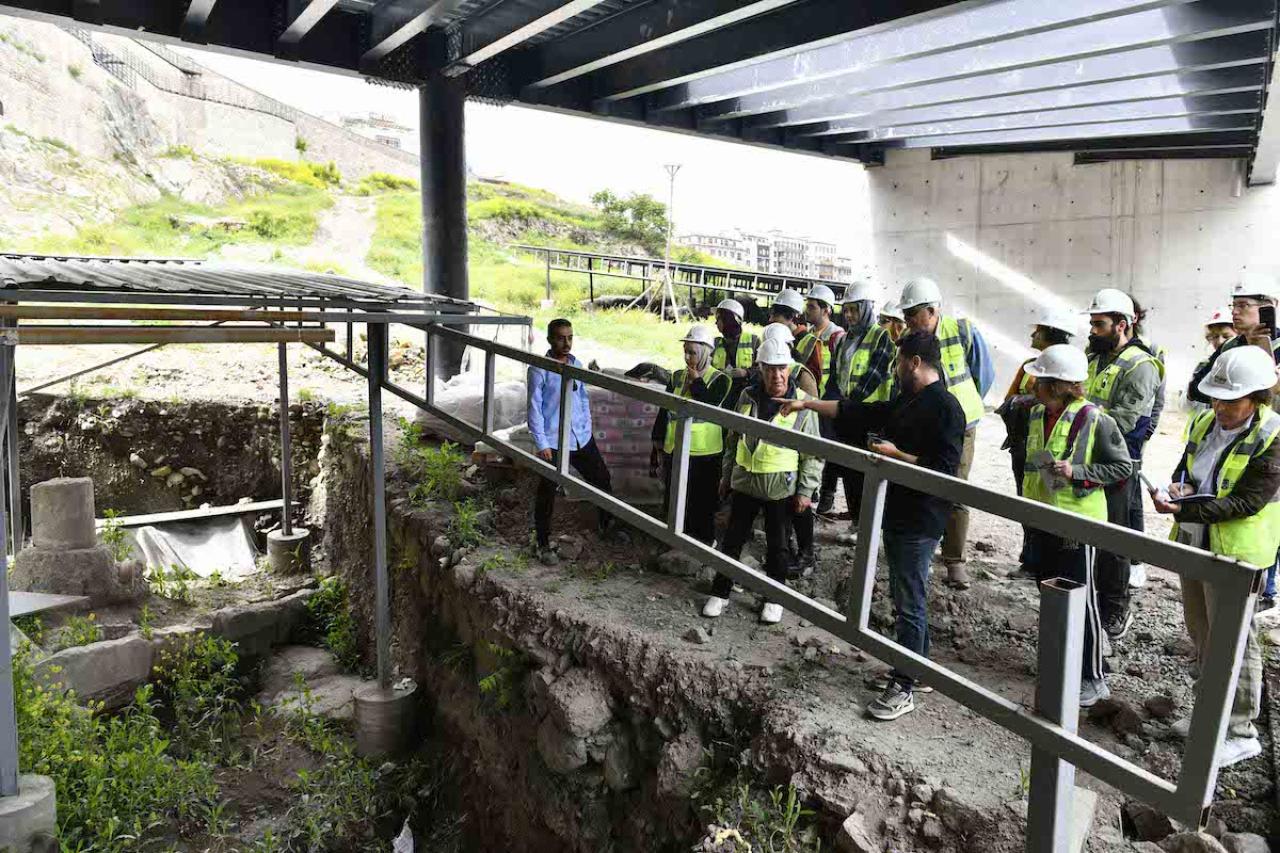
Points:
x=544 y=428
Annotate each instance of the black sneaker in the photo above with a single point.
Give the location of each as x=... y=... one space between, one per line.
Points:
x=826 y=503
x=1117 y=625
x=1265 y=602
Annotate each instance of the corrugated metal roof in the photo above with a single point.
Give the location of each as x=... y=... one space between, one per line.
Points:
x=196 y=278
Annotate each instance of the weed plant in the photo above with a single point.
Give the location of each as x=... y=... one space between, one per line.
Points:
x=79 y=631
x=330 y=620
x=114 y=536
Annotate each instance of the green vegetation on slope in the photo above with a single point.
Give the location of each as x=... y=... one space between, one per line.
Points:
x=171 y=226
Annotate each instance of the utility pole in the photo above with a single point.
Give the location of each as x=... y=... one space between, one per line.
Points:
x=668 y=289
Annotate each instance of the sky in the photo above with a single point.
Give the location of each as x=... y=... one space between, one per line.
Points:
x=720 y=186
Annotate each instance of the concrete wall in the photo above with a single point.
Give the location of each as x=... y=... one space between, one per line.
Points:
x=1007 y=234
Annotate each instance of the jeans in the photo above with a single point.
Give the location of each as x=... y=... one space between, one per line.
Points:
x=1113 y=569
x=958 y=521
x=742 y=515
x=588 y=462
x=909 y=556
x=702 y=496
x=1059 y=558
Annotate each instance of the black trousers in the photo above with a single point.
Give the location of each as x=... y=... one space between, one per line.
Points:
x=852 y=481
x=742 y=515
x=1019 y=463
x=702 y=496
x=1113 y=570
x=1054 y=557
x=588 y=462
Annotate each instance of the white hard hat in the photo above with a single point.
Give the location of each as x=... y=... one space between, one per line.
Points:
x=774 y=352
x=822 y=293
x=893 y=311
x=1254 y=284
x=1220 y=317
x=788 y=298
x=1111 y=301
x=861 y=291
x=1239 y=372
x=700 y=335
x=920 y=291
x=1060 y=320
x=1060 y=361
x=733 y=306
x=778 y=332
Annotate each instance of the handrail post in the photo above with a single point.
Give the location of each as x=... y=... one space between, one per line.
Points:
x=870 y=514
x=566 y=422
x=428 y=370
x=1052 y=793
x=678 y=488
x=548 y=277
x=486 y=424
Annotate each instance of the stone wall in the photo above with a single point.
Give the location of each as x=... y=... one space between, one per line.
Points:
x=1007 y=235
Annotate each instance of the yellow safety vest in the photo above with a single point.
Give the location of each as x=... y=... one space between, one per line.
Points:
x=1087 y=501
x=705 y=438
x=852 y=363
x=1255 y=538
x=1099 y=387
x=766 y=458
x=954 y=338
x=744 y=355
x=1027 y=384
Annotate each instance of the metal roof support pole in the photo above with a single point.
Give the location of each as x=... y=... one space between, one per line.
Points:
x=444 y=203
x=378 y=485
x=8 y=717
x=11 y=459
x=1049 y=802
x=286 y=456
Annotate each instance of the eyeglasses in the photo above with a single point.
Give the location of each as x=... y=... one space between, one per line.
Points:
x=1242 y=304
x=912 y=313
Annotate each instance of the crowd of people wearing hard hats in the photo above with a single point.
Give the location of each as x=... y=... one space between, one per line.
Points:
x=907 y=380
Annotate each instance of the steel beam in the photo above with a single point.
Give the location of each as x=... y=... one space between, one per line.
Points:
x=305 y=22
x=1163 y=108
x=1175 y=25
x=778 y=33
x=1266 y=162
x=1206 y=141
x=395 y=22
x=196 y=20
x=1091 y=132
x=971 y=29
x=1193 y=84
x=485 y=38
x=636 y=31
x=444 y=202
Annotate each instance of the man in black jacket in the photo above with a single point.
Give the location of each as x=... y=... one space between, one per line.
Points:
x=924 y=425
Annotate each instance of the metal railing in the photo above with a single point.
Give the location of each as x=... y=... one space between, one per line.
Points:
x=722 y=281
x=1056 y=747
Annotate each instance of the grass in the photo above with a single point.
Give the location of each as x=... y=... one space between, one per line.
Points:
x=170 y=226
x=315 y=175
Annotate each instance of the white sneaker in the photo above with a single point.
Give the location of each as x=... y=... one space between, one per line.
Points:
x=1137 y=576
x=1092 y=692
x=1181 y=728
x=848 y=538
x=1237 y=749
x=714 y=607
x=771 y=614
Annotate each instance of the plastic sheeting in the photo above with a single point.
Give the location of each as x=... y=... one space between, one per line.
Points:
x=463 y=398
x=224 y=545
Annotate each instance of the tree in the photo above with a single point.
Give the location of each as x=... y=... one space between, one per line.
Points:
x=639 y=217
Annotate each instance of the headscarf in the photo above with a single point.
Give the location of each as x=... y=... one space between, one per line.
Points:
x=866 y=314
x=704 y=357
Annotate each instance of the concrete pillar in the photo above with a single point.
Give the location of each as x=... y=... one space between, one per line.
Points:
x=385 y=718
x=441 y=104
x=62 y=514
x=28 y=820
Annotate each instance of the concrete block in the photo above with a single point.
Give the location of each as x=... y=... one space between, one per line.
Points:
x=289 y=554
x=30 y=819
x=89 y=572
x=255 y=628
x=165 y=640
x=385 y=719
x=108 y=672
x=62 y=514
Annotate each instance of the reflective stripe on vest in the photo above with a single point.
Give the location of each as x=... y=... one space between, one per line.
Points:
x=954 y=338
x=1089 y=502
x=705 y=438
x=852 y=363
x=1027 y=384
x=766 y=458
x=1255 y=538
x=1100 y=387
x=744 y=354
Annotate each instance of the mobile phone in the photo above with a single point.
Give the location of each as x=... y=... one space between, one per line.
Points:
x=1267 y=317
x=874 y=438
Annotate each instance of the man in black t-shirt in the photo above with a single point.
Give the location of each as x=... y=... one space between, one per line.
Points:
x=924 y=425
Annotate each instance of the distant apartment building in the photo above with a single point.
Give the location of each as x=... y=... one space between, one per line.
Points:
x=774 y=252
x=380 y=128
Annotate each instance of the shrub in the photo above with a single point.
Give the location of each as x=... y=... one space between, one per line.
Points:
x=196 y=679
x=75 y=71
x=330 y=619
x=116 y=784
x=300 y=145
x=316 y=175
x=178 y=152
x=381 y=182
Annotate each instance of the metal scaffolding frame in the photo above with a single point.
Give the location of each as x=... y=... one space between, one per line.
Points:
x=1056 y=747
